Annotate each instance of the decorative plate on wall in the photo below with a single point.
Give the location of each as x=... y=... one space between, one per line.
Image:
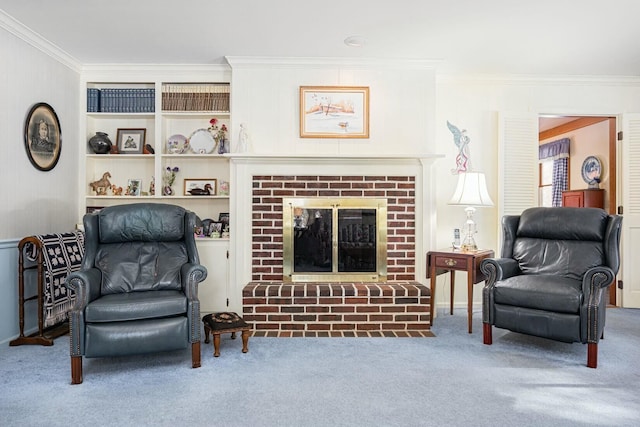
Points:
x=591 y=170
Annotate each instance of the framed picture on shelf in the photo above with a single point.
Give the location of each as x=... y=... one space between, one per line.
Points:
x=131 y=141
x=92 y=209
x=42 y=137
x=200 y=186
x=215 y=229
x=223 y=188
x=224 y=219
x=334 y=112
x=133 y=187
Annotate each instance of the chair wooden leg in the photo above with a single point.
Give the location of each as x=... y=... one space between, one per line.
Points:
x=195 y=354
x=216 y=345
x=245 y=341
x=76 y=369
x=207 y=330
x=486 y=333
x=592 y=355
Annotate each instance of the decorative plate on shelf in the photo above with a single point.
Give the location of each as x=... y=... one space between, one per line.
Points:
x=177 y=144
x=591 y=170
x=201 y=142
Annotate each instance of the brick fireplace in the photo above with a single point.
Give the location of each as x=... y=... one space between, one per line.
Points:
x=398 y=306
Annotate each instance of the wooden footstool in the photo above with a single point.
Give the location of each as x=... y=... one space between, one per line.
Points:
x=222 y=323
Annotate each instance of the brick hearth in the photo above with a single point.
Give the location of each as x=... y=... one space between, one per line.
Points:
x=398 y=309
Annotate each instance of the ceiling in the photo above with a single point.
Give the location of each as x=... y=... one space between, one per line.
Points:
x=548 y=37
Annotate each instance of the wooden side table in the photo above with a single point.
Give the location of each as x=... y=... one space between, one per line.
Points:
x=448 y=260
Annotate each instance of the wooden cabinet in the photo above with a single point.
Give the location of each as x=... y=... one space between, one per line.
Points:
x=590 y=198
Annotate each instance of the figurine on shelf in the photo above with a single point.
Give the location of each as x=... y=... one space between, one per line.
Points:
x=102 y=185
x=117 y=191
x=243 y=139
x=152 y=186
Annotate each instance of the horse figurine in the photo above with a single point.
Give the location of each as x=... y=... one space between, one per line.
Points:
x=117 y=191
x=102 y=185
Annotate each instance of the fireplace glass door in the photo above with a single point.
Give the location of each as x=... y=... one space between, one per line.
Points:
x=334 y=240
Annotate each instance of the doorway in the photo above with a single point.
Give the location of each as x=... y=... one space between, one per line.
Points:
x=598 y=136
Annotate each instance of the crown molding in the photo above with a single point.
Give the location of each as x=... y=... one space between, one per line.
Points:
x=524 y=79
x=144 y=72
x=34 y=39
x=330 y=62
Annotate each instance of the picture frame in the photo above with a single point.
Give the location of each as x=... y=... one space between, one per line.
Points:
x=215 y=229
x=42 y=136
x=131 y=141
x=223 y=217
x=223 y=188
x=200 y=186
x=93 y=209
x=133 y=187
x=334 y=112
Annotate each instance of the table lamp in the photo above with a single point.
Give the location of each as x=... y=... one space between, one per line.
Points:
x=471 y=192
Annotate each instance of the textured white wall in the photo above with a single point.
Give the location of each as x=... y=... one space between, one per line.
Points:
x=265 y=97
x=32 y=201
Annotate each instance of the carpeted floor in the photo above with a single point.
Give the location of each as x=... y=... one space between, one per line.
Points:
x=449 y=380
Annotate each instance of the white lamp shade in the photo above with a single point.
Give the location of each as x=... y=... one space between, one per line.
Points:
x=471 y=190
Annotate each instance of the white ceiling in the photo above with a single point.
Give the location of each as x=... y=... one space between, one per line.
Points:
x=548 y=37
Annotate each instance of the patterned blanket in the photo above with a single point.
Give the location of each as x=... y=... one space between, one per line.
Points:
x=62 y=254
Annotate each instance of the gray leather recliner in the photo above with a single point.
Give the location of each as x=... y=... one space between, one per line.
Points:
x=550 y=281
x=137 y=289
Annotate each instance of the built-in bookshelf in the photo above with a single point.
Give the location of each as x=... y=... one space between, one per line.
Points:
x=183 y=109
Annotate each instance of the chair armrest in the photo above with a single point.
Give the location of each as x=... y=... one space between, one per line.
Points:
x=86 y=285
x=495 y=269
x=594 y=283
x=499 y=269
x=597 y=278
x=192 y=274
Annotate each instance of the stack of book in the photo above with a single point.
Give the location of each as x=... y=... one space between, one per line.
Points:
x=130 y=100
x=195 y=97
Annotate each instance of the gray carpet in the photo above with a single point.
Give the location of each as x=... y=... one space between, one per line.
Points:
x=450 y=380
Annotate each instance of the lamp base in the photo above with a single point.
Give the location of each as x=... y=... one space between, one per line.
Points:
x=469 y=248
x=469 y=243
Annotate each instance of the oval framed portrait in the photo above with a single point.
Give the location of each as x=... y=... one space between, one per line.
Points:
x=42 y=137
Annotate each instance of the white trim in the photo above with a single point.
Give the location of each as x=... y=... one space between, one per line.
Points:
x=244 y=166
x=330 y=62
x=155 y=72
x=29 y=36
x=526 y=79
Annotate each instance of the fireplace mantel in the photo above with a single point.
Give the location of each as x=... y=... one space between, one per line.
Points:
x=244 y=167
x=258 y=158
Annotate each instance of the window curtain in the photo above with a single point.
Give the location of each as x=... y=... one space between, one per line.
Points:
x=559 y=152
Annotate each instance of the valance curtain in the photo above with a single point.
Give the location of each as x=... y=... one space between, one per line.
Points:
x=559 y=152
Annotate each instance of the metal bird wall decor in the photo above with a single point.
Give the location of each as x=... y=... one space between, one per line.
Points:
x=460 y=138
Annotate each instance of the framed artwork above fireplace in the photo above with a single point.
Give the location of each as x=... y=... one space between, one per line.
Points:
x=334 y=112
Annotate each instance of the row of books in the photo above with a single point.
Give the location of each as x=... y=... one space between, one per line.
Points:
x=135 y=100
x=195 y=97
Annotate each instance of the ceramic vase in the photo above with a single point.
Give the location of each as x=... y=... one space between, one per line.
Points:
x=100 y=143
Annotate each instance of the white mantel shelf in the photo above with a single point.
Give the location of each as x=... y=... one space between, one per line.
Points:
x=333 y=158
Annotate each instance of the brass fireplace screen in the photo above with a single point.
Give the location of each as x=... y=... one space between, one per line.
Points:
x=334 y=240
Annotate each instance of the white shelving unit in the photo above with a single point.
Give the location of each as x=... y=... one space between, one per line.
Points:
x=159 y=126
